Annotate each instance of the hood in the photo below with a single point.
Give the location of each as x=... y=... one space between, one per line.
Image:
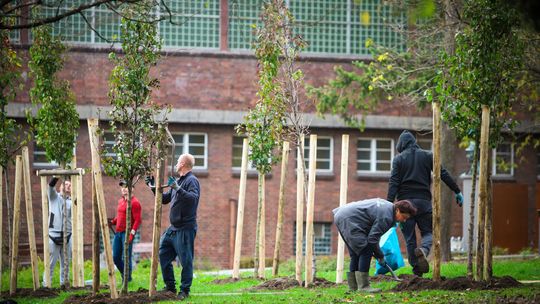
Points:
x=406 y=140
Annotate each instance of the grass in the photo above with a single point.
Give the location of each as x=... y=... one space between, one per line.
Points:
x=204 y=291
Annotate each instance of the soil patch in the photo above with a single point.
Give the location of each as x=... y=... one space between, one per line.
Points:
x=389 y=278
x=459 y=283
x=225 y=281
x=289 y=282
x=138 y=297
x=31 y=293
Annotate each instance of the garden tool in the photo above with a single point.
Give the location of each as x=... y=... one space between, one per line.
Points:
x=392 y=272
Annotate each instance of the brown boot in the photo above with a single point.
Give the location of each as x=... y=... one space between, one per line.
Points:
x=422 y=265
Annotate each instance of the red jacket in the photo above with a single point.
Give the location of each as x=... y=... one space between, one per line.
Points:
x=120 y=219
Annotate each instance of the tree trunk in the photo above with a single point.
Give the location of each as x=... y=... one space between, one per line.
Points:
x=16 y=223
x=281 y=203
x=126 y=240
x=488 y=240
x=1 y=222
x=261 y=253
x=472 y=212
x=300 y=198
x=9 y=215
x=156 y=231
x=95 y=240
x=45 y=235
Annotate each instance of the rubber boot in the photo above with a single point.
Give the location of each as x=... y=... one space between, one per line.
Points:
x=362 y=278
x=351 y=280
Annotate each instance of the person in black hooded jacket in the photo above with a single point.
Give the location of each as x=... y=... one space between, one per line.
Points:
x=411 y=180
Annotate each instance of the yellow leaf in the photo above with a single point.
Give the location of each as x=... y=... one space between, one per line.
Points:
x=389 y=67
x=365 y=18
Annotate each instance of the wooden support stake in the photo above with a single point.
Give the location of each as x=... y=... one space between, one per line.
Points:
x=240 y=211
x=74 y=223
x=95 y=241
x=100 y=196
x=262 y=224
x=2 y=221
x=488 y=240
x=436 y=192
x=482 y=192
x=80 y=230
x=45 y=221
x=281 y=203
x=156 y=234
x=16 y=224
x=310 y=208
x=30 y=217
x=300 y=196
x=342 y=201
x=60 y=172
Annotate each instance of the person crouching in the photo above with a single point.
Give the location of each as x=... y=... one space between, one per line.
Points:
x=361 y=225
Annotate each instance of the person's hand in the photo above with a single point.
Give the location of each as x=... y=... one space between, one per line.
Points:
x=132 y=235
x=150 y=182
x=110 y=223
x=459 y=199
x=53 y=181
x=171 y=182
x=382 y=261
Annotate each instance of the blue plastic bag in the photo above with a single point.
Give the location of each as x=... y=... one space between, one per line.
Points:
x=389 y=244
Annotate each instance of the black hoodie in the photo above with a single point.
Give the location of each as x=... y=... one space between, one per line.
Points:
x=411 y=171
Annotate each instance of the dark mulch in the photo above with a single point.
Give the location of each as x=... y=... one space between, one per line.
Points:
x=225 y=281
x=289 y=282
x=390 y=278
x=459 y=283
x=138 y=297
x=31 y=293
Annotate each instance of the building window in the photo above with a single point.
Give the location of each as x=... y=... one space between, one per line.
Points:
x=193 y=24
x=108 y=144
x=322 y=243
x=425 y=144
x=374 y=155
x=40 y=158
x=195 y=144
x=237 y=147
x=325 y=151
x=503 y=160
x=329 y=27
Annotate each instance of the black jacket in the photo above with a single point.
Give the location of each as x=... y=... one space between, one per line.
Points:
x=411 y=171
x=185 y=200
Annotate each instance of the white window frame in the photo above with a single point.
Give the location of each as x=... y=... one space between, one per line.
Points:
x=109 y=142
x=331 y=160
x=250 y=166
x=185 y=146
x=494 y=162
x=373 y=155
x=37 y=152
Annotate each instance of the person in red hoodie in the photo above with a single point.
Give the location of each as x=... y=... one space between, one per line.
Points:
x=120 y=231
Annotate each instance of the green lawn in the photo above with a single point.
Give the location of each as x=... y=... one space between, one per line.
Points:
x=204 y=291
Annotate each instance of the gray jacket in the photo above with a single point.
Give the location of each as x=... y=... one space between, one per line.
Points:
x=56 y=206
x=363 y=223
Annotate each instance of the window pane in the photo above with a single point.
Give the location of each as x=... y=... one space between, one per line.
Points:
x=362 y=166
x=383 y=144
x=196 y=151
x=196 y=139
x=362 y=143
x=323 y=165
x=199 y=161
x=323 y=142
x=363 y=155
x=383 y=155
x=383 y=167
x=323 y=154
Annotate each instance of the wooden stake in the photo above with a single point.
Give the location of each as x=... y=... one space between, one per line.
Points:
x=80 y=229
x=300 y=197
x=45 y=221
x=95 y=240
x=240 y=212
x=262 y=232
x=436 y=192
x=30 y=217
x=310 y=208
x=482 y=192
x=281 y=203
x=156 y=232
x=60 y=172
x=74 y=224
x=16 y=224
x=488 y=240
x=100 y=196
x=342 y=201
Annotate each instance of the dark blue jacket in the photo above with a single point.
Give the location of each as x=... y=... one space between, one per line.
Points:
x=411 y=172
x=185 y=200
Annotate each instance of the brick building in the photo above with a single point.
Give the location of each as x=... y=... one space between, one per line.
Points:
x=208 y=76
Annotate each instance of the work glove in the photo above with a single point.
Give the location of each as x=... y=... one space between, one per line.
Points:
x=382 y=262
x=150 y=182
x=171 y=182
x=53 y=181
x=132 y=235
x=459 y=199
x=110 y=223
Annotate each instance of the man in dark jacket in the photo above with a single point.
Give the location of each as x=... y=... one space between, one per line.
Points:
x=411 y=180
x=179 y=239
x=361 y=225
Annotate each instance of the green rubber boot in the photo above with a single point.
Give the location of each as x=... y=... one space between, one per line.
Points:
x=351 y=280
x=362 y=279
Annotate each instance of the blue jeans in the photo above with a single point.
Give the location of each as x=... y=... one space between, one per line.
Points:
x=360 y=262
x=423 y=220
x=118 y=253
x=177 y=243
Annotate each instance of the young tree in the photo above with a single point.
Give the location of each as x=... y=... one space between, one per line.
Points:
x=134 y=117
x=56 y=124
